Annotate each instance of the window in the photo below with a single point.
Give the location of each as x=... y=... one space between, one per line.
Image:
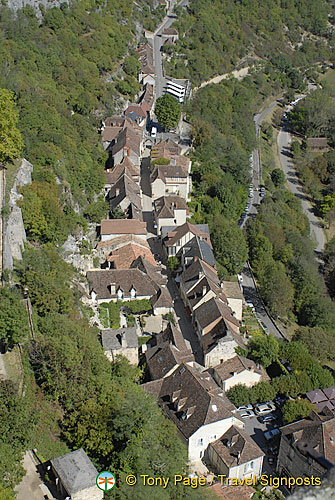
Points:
x=200 y=442
x=248 y=466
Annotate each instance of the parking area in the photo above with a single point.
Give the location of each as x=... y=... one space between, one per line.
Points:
x=256 y=430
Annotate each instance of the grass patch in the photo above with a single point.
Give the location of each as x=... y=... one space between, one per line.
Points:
x=144 y=340
x=12 y=362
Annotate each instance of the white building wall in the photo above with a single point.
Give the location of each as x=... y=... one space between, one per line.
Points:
x=208 y=434
x=249 y=469
x=248 y=378
x=108 y=237
x=220 y=353
x=236 y=306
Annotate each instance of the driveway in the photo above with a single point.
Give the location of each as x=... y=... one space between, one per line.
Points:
x=31 y=486
x=256 y=431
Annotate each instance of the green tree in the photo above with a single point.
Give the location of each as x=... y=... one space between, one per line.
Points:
x=13 y=317
x=239 y=395
x=263 y=391
x=131 y=65
x=296 y=410
x=276 y=289
x=229 y=244
x=263 y=349
x=278 y=177
x=173 y=263
x=319 y=342
x=11 y=142
x=167 y=111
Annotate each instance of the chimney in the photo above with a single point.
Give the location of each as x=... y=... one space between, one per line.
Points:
x=112 y=288
x=123 y=339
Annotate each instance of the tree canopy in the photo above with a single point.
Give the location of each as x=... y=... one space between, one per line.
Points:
x=11 y=142
x=167 y=111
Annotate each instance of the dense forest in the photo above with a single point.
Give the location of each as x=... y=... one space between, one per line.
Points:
x=214 y=36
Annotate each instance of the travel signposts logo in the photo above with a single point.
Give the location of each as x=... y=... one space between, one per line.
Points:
x=105 y=481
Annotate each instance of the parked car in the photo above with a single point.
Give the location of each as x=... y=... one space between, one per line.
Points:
x=262 y=194
x=246 y=414
x=244 y=407
x=243 y=216
x=271 y=434
x=267 y=418
x=251 y=194
x=264 y=408
x=154 y=132
x=251 y=305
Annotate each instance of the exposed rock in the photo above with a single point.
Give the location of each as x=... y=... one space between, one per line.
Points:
x=14 y=233
x=47 y=4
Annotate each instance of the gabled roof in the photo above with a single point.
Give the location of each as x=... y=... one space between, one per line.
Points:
x=75 y=471
x=200 y=401
x=165 y=149
x=197 y=270
x=152 y=270
x=165 y=172
x=125 y=167
x=172 y=335
x=162 y=299
x=166 y=205
x=125 y=187
x=112 y=338
x=126 y=139
x=121 y=241
x=212 y=310
x=124 y=256
x=100 y=282
x=201 y=230
x=236 y=365
x=318 y=430
x=160 y=360
x=122 y=226
x=197 y=247
x=137 y=109
x=231 y=289
x=316 y=396
x=236 y=447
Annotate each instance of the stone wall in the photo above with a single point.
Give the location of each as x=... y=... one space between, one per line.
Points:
x=47 y=4
x=14 y=233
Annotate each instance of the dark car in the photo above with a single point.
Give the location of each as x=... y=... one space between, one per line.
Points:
x=267 y=418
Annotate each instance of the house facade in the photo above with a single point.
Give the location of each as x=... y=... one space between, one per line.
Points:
x=236 y=455
x=238 y=370
x=121 y=342
x=169 y=211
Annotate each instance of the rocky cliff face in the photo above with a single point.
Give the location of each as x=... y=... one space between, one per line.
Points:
x=14 y=233
x=47 y=4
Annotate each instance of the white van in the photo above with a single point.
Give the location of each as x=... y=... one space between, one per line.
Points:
x=154 y=132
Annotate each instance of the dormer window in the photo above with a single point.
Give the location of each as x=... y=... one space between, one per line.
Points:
x=133 y=292
x=120 y=294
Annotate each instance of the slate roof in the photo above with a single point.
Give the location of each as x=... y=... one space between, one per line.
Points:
x=126 y=188
x=162 y=299
x=197 y=270
x=152 y=270
x=212 y=310
x=124 y=257
x=124 y=279
x=316 y=396
x=127 y=139
x=201 y=230
x=197 y=247
x=165 y=172
x=75 y=471
x=330 y=392
x=111 y=338
x=199 y=396
x=166 y=205
x=318 y=430
x=160 y=360
x=122 y=226
x=236 y=447
x=238 y=364
x=172 y=335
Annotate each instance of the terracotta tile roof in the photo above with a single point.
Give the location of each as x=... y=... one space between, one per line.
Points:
x=316 y=396
x=200 y=401
x=122 y=226
x=152 y=270
x=127 y=167
x=127 y=138
x=317 y=142
x=236 y=447
x=231 y=289
x=135 y=108
x=170 y=31
x=124 y=257
x=120 y=241
x=239 y=364
x=212 y=310
x=166 y=172
x=145 y=53
x=165 y=149
x=124 y=280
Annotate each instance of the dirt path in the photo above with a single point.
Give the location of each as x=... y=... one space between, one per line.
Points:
x=237 y=73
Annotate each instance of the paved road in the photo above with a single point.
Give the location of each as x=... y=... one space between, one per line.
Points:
x=294 y=185
x=31 y=487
